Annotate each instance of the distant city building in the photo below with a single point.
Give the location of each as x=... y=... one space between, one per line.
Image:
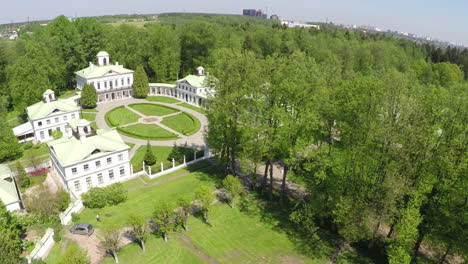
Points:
x=47 y=116
x=112 y=81
x=254 y=13
x=275 y=17
x=292 y=24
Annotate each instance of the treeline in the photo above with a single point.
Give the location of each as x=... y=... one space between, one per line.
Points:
x=377 y=133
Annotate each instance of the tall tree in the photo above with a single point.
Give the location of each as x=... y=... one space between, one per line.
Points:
x=198 y=39
x=139 y=229
x=164 y=218
x=9 y=146
x=10 y=243
x=233 y=188
x=140 y=83
x=110 y=241
x=205 y=198
x=149 y=158
x=88 y=96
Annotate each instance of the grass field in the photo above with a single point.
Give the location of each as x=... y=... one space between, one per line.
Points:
x=244 y=234
x=153 y=109
x=161 y=153
x=88 y=116
x=36 y=153
x=142 y=201
x=162 y=99
x=147 y=131
x=198 y=109
x=120 y=116
x=183 y=123
x=90 y=110
x=66 y=94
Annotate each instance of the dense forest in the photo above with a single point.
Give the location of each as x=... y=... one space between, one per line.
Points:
x=374 y=127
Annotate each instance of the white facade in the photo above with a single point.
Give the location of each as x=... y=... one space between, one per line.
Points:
x=44 y=127
x=13 y=206
x=99 y=172
x=111 y=81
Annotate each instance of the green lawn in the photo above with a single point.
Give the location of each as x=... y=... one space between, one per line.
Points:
x=162 y=99
x=130 y=144
x=153 y=109
x=183 y=123
x=147 y=131
x=88 y=116
x=66 y=94
x=120 y=116
x=58 y=250
x=94 y=125
x=142 y=201
x=35 y=154
x=161 y=153
x=90 y=110
x=198 y=109
x=157 y=252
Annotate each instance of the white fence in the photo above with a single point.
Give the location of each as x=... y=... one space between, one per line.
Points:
x=42 y=247
x=74 y=207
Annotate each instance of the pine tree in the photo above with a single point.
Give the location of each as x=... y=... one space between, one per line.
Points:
x=88 y=96
x=140 y=83
x=149 y=159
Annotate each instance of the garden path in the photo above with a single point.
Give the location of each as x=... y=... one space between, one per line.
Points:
x=196 y=140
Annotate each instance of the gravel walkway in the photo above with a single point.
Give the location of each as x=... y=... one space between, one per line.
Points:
x=196 y=140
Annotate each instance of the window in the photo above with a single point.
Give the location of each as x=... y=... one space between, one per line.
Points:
x=98 y=164
x=50 y=132
x=109 y=160
x=128 y=81
x=88 y=182
x=111 y=175
x=56 y=120
x=86 y=167
x=120 y=157
x=42 y=134
x=100 y=179
x=39 y=123
x=122 y=81
x=122 y=171
x=73 y=116
x=48 y=121
x=65 y=118
x=115 y=82
x=77 y=186
x=105 y=84
x=74 y=171
x=99 y=86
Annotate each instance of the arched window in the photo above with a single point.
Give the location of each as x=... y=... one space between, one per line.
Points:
x=104 y=61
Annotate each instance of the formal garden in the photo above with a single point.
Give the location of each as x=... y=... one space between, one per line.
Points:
x=152 y=121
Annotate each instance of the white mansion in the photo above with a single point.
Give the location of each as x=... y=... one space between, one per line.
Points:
x=46 y=116
x=112 y=81
x=192 y=89
x=85 y=158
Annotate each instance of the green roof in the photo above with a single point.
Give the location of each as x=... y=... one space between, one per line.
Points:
x=48 y=91
x=74 y=123
x=95 y=71
x=40 y=110
x=102 y=53
x=162 y=85
x=69 y=151
x=8 y=193
x=195 y=80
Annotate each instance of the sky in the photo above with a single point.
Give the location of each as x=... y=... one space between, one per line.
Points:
x=442 y=19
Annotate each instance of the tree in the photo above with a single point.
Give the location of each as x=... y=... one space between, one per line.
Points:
x=57 y=134
x=22 y=177
x=140 y=83
x=74 y=255
x=9 y=146
x=10 y=242
x=109 y=240
x=149 y=158
x=205 y=198
x=233 y=187
x=139 y=229
x=88 y=96
x=164 y=218
x=183 y=212
x=100 y=197
x=198 y=39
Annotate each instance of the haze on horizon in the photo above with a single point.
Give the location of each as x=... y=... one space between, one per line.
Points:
x=444 y=20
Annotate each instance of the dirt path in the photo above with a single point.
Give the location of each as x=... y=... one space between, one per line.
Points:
x=91 y=243
x=187 y=243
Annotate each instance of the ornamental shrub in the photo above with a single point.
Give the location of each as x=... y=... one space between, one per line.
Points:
x=101 y=197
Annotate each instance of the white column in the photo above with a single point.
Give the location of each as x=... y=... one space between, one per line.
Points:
x=149 y=170
x=162 y=167
x=143 y=165
x=173 y=163
x=131 y=170
x=195 y=155
x=184 y=160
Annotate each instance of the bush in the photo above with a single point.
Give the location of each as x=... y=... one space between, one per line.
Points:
x=28 y=145
x=75 y=217
x=101 y=197
x=57 y=233
x=63 y=199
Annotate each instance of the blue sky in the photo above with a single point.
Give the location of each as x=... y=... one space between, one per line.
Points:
x=446 y=20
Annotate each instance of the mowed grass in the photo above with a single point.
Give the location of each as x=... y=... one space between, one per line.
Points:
x=141 y=202
x=183 y=123
x=88 y=116
x=161 y=153
x=162 y=99
x=153 y=109
x=157 y=252
x=120 y=116
x=198 y=109
x=147 y=132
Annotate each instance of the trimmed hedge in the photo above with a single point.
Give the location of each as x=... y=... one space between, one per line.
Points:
x=100 y=197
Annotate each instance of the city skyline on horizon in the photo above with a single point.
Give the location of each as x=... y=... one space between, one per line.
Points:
x=348 y=12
